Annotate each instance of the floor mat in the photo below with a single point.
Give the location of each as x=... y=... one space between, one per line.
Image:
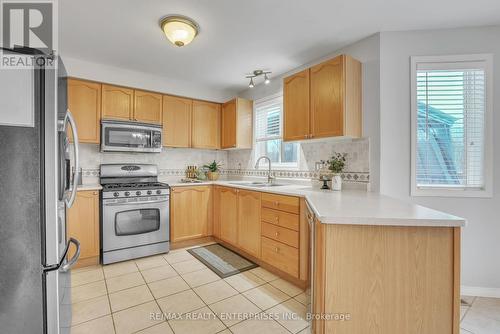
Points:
x=222 y=261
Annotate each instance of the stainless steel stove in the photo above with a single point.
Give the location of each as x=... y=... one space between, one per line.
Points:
x=135 y=212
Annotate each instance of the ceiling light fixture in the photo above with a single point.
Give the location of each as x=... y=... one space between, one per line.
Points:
x=258 y=73
x=180 y=30
x=266 y=79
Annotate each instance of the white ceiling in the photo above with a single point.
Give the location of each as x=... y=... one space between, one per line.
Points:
x=238 y=36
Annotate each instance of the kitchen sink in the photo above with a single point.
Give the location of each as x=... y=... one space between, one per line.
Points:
x=257 y=184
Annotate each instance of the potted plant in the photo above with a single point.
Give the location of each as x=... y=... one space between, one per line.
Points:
x=213 y=170
x=337 y=164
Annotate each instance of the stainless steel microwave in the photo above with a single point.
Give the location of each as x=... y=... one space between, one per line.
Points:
x=122 y=136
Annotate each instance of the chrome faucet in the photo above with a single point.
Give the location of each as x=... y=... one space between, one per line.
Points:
x=270 y=178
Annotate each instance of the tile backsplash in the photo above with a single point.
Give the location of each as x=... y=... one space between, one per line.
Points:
x=357 y=165
x=173 y=161
x=169 y=159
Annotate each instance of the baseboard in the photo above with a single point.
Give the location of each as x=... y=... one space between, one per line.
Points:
x=480 y=291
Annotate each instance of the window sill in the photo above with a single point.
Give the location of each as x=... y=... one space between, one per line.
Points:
x=279 y=167
x=450 y=192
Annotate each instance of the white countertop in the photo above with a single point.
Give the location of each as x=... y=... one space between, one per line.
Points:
x=354 y=206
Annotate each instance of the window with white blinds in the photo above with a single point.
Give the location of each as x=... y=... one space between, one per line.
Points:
x=450 y=132
x=268 y=134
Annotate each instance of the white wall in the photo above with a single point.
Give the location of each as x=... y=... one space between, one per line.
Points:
x=122 y=76
x=368 y=52
x=481 y=238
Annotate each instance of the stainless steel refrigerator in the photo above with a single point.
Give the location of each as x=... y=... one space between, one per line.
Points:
x=36 y=188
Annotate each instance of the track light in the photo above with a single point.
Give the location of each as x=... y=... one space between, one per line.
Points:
x=257 y=73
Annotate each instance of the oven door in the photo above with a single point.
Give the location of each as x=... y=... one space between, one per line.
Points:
x=132 y=222
x=126 y=137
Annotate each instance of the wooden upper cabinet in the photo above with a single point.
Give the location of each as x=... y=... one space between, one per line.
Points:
x=84 y=102
x=296 y=115
x=147 y=107
x=327 y=98
x=191 y=213
x=205 y=131
x=324 y=101
x=83 y=225
x=227 y=213
x=117 y=102
x=249 y=226
x=228 y=133
x=176 y=121
x=336 y=98
x=236 y=124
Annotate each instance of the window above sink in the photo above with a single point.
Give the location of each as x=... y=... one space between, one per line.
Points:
x=269 y=134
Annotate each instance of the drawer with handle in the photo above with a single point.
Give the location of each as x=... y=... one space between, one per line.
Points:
x=280 y=202
x=284 y=235
x=280 y=218
x=280 y=256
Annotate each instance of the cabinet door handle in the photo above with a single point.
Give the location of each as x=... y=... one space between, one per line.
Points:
x=277 y=234
x=277 y=203
x=276 y=249
x=277 y=219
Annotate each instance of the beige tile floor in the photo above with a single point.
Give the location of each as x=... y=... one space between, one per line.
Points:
x=120 y=298
x=133 y=296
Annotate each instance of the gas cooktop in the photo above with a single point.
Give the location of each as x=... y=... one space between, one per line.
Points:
x=133 y=186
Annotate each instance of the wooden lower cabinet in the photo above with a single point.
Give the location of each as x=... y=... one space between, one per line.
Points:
x=83 y=225
x=249 y=221
x=227 y=211
x=273 y=237
x=280 y=234
x=389 y=279
x=281 y=256
x=237 y=215
x=190 y=212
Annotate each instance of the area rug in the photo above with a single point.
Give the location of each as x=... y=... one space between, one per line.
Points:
x=222 y=261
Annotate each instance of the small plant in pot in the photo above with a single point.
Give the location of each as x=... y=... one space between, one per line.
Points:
x=337 y=164
x=213 y=170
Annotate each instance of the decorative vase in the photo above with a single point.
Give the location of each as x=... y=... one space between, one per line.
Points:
x=213 y=176
x=337 y=182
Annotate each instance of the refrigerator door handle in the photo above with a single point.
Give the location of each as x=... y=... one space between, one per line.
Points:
x=76 y=175
x=67 y=266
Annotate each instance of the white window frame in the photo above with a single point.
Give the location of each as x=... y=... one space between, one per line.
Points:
x=444 y=191
x=280 y=166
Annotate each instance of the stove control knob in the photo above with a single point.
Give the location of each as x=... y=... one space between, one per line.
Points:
x=149 y=192
x=116 y=194
x=158 y=191
x=127 y=193
x=138 y=193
